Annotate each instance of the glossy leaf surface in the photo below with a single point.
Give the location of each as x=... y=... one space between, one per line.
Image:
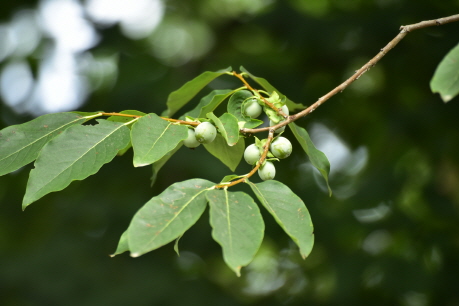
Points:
x=77 y=153
x=124 y=119
x=167 y=216
x=20 y=144
x=157 y=165
x=228 y=127
x=123 y=244
x=230 y=156
x=289 y=212
x=317 y=158
x=446 y=78
x=237 y=226
x=235 y=108
x=153 y=137
x=269 y=88
x=209 y=103
x=177 y=99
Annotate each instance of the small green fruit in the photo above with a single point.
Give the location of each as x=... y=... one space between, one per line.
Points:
x=267 y=171
x=253 y=109
x=285 y=110
x=191 y=141
x=205 y=132
x=271 y=123
x=252 y=154
x=281 y=147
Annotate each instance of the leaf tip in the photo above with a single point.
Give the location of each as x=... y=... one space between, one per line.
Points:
x=237 y=270
x=446 y=98
x=137 y=164
x=25 y=204
x=134 y=255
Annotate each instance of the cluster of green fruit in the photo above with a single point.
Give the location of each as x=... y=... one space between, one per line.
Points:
x=205 y=132
x=279 y=148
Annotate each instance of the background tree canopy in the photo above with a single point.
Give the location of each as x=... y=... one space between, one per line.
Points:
x=388 y=235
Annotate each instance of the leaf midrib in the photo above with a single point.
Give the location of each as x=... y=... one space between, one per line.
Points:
x=176 y=215
x=154 y=144
x=38 y=139
x=81 y=156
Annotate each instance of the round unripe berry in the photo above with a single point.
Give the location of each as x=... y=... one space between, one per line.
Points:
x=205 y=132
x=267 y=171
x=191 y=141
x=271 y=123
x=252 y=154
x=285 y=110
x=253 y=109
x=281 y=147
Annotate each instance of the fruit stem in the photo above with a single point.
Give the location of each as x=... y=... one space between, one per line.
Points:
x=257 y=165
x=278 y=110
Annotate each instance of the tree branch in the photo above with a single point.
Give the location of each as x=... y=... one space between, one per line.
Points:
x=404 y=30
x=258 y=165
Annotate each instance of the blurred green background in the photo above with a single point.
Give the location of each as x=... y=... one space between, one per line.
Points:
x=388 y=236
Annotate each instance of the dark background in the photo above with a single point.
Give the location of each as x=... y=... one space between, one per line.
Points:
x=388 y=236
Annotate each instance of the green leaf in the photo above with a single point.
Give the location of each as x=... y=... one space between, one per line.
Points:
x=228 y=126
x=160 y=163
x=167 y=216
x=446 y=77
x=77 y=153
x=235 y=108
x=209 y=103
x=176 y=248
x=125 y=120
x=289 y=212
x=177 y=99
x=237 y=226
x=230 y=177
x=152 y=137
x=230 y=156
x=123 y=245
x=317 y=158
x=20 y=144
x=269 y=88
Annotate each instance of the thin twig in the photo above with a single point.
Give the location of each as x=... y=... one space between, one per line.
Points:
x=272 y=106
x=404 y=30
x=259 y=163
x=164 y=118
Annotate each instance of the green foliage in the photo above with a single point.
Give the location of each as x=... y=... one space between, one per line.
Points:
x=77 y=153
x=153 y=137
x=230 y=156
x=66 y=151
x=237 y=226
x=317 y=158
x=210 y=102
x=289 y=212
x=160 y=163
x=267 y=86
x=167 y=216
x=228 y=126
x=184 y=94
x=446 y=78
x=20 y=144
x=235 y=106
